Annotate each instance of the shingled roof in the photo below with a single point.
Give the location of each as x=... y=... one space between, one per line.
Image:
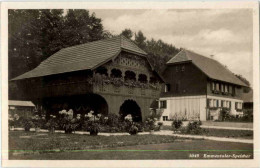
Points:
x=83 y=57
x=248 y=97
x=212 y=68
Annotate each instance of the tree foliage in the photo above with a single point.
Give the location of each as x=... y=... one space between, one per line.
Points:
x=158 y=51
x=34 y=35
x=127 y=33
x=243 y=79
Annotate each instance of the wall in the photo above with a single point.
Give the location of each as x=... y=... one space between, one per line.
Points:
x=191 y=81
x=233 y=110
x=193 y=107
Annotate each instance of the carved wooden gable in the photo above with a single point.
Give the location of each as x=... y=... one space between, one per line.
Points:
x=131 y=61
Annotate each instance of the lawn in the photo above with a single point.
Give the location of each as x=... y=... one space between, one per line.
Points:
x=241 y=134
x=183 y=149
x=31 y=142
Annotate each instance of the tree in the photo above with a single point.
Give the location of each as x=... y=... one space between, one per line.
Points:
x=244 y=80
x=140 y=40
x=34 y=35
x=127 y=33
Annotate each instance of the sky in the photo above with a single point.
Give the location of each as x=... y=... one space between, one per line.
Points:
x=226 y=34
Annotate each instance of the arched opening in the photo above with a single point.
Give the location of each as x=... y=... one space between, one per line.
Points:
x=153 y=79
x=116 y=73
x=142 y=78
x=131 y=107
x=130 y=75
x=102 y=71
x=80 y=104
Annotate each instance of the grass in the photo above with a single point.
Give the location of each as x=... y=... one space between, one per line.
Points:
x=30 y=142
x=242 y=134
x=176 y=150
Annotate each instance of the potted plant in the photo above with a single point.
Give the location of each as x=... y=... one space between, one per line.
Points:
x=151 y=124
x=93 y=123
x=67 y=121
x=38 y=122
x=94 y=128
x=133 y=130
x=52 y=124
x=27 y=124
x=176 y=124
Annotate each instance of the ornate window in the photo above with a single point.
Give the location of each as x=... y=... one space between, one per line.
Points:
x=116 y=73
x=130 y=75
x=102 y=71
x=142 y=78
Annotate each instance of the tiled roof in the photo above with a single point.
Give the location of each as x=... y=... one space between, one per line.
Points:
x=20 y=103
x=83 y=57
x=212 y=68
x=247 y=97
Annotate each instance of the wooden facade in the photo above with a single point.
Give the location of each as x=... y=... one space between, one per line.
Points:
x=198 y=87
x=126 y=79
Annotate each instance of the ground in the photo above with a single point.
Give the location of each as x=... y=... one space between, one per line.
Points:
x=84 y=147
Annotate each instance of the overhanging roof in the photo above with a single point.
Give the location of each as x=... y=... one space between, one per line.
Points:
x=20 y=103
x=83 y=57
x=212 y=68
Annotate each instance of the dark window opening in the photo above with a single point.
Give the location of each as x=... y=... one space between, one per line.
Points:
x=165 y=118
x=163 y=104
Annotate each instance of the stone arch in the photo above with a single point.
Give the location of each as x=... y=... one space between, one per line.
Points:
x=80 y=104
x=130 y=106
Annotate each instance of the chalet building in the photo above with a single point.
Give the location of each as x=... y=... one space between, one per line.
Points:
x=22 y=108
x=248 y=104
x=106 y=76
x=198 y=87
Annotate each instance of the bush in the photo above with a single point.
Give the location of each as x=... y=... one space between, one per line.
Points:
x=133 y=130
x=94 y=129
x=27 y=124
x=176 y=124
x=194 y=128
x=158 y=126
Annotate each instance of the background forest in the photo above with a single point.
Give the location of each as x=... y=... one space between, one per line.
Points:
x=34 y=35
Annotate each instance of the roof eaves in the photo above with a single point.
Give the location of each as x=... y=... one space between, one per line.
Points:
x=107 y=60
x=171 y=63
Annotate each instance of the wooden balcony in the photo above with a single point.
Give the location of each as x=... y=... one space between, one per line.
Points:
x=125 y=90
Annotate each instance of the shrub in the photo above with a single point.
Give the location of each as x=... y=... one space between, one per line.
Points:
x=94 y=128
x=176 y=125
x=194 y=128
x=27 y=124
x=158 y=126
x=150 y=122
x=113 y=120
x=133 y=130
